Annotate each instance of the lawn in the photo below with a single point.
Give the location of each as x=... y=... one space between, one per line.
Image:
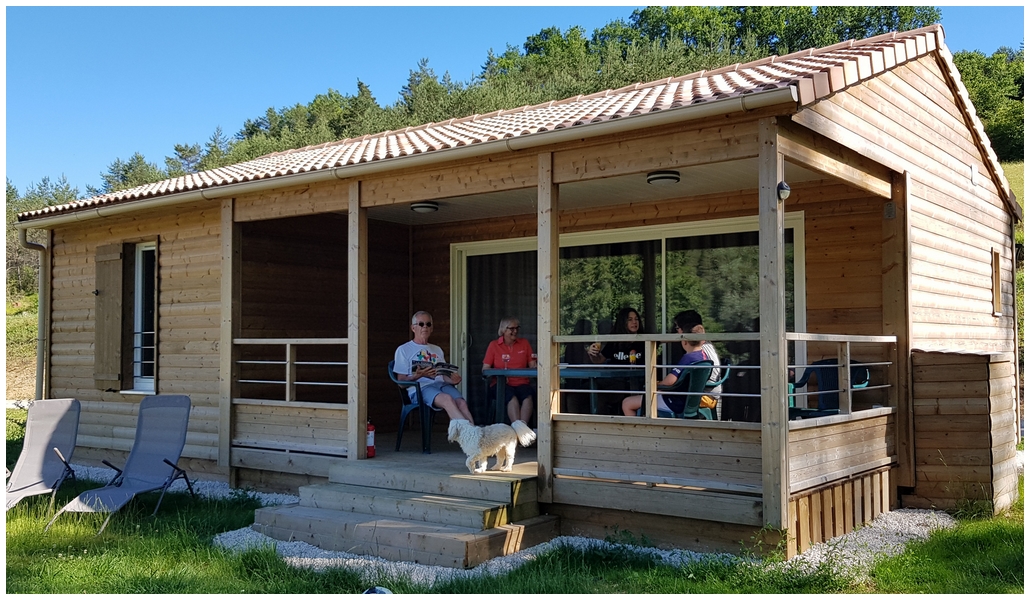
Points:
x=173 y=553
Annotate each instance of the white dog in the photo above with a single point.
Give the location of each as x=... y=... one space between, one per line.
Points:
x=480 y=443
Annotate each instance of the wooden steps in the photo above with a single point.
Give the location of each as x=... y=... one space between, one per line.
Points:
x=424 y=515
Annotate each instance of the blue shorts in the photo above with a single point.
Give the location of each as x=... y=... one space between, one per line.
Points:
x=431 y=391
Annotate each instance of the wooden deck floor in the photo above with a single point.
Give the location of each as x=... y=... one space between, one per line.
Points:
x=446 y=457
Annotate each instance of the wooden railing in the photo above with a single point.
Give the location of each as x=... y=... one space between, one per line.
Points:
x=650 y=367
x=268 y=369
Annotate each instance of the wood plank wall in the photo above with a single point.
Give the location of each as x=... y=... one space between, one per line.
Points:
x=908 y=120
x=840 y=449
x=965 y=430
x=188 y=321
x=717 y=453
x=820 y=514
x=294 y=284
x=294 y=277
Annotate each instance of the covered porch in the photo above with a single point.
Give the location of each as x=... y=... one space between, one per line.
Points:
x=735 y=476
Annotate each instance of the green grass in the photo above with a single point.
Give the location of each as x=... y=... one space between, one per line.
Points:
x=22 y=326
x=173 y=553
x=1014 y=175
x=981 y=556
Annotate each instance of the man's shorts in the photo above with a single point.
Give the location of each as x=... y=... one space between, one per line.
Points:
x=431 y=391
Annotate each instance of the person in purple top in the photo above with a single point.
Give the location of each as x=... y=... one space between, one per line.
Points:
x=685 y=321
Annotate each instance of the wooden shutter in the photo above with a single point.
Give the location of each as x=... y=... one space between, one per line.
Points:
x=109 y=292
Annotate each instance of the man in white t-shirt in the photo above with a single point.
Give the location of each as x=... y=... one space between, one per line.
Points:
x=437 y=389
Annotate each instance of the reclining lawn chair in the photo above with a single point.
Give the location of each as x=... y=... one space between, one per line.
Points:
x=50 y=432
x=160 y=437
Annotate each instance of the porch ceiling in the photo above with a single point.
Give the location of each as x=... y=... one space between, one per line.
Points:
x=627 y=189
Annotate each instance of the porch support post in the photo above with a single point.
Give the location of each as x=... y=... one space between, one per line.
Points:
x=772 y=314
x=896 y=267
x=357 y=324
x=229 y=330
x=547 y=320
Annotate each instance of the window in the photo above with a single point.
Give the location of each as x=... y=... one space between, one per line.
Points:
x=125 y=355
x=144 y=332
x=996 y=281
x=710 y=266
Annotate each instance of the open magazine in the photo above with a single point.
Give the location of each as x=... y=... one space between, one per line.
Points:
x=441 y=367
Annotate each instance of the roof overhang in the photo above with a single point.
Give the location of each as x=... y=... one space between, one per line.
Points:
x=786 y=96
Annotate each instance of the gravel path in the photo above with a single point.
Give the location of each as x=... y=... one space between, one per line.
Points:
x=851 y=554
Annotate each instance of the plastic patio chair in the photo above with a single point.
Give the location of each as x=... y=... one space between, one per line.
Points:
x=825 y=372
x=409 y=404
x=711 y=385
x=151 y=466
x=693 y=380
x=50 y=432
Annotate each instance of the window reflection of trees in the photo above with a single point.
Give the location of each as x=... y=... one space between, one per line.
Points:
x=717 y=275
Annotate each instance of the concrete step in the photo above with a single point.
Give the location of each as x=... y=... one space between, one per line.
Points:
x=411 y=506
x=401 y=539
x=513 y=488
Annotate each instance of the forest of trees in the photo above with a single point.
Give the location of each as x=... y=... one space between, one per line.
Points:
x=653 y=43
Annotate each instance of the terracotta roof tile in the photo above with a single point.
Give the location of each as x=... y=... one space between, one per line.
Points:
x=816 y=73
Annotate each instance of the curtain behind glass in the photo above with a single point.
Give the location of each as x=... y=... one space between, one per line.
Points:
x=499 y=285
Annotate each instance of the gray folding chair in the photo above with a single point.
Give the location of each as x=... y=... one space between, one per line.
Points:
x=50 y=432
x=160 y=438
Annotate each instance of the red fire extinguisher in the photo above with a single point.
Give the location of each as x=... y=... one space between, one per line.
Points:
x=370 y=452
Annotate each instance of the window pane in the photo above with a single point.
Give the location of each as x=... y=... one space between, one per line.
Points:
x=717 y=275
x=144 y=338
x=596 y=281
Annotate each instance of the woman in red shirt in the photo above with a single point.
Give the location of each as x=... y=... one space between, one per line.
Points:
x=512 y=352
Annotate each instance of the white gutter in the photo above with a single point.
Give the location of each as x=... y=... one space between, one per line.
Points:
x=743 y=103
x=43 y=309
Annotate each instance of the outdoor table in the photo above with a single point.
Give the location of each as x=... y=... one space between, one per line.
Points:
x=592 y=374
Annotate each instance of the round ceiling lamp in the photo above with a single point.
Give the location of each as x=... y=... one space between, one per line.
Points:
x=663 y=177
x=425 y=207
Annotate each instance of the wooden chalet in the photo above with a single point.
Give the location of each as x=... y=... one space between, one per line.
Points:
x=274 y=292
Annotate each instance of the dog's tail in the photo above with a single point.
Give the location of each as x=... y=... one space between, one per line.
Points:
x=526 y=435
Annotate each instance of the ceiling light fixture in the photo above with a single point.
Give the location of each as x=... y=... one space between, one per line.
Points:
x=425 y=207
x=663 y=177
x=782 y=190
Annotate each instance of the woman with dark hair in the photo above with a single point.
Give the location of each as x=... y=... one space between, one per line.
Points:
x=628 y=321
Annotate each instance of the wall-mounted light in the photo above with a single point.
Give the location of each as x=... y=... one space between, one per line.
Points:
x=782 y=190
x=663 y=177
x=425 y=207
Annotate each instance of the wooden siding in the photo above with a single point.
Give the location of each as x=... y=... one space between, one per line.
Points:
x=294 y=284
x=290 y=427
x=294 y=278
x=965 y=430
x=665 y=531
x=821 y=514
x=188 y=321
x=693 y=470
x=908 y=120
x=833 y=448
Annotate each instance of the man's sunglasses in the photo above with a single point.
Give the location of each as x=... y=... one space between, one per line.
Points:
x=421 y=324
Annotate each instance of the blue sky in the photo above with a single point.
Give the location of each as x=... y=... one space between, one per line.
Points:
x=87 y=85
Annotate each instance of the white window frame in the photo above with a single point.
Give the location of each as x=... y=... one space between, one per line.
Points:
x=461 y=251
x=141 y=383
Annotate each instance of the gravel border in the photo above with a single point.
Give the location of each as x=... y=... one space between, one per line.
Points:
x=851 y=555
